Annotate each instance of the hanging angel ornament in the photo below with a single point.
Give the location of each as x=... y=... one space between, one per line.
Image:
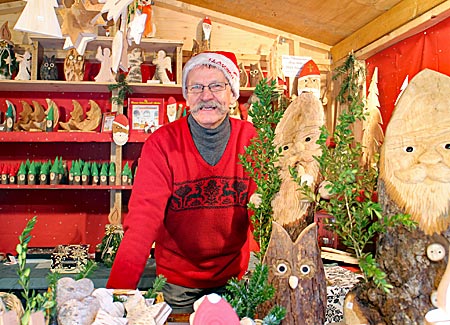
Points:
x=136 y=27
x=39 y=17
x=145 y=7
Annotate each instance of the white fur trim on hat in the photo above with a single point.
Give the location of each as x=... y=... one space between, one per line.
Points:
x=224 y=61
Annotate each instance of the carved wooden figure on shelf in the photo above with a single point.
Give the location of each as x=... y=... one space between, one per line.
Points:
x=22 y=174
x=4 y=174
x=24 y=66
x=54 y=180
x=256 y=74
x=48 y=69
x=74 y=66
x=104 y=174
x=31 y=176
x=24 y=116
x=163 y=64
x=44 y=173
x=135 y=60
x=13 y=174
x=105 y=74
x=76 y=116
x=10 y=117
x=243 y=81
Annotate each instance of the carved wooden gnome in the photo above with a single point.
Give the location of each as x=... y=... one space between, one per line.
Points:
x=49 y=120
x=54 y=179
x=10 y=117
x=127 y=175
x=76 y=172
x=4 y=174
x=104 y=174
x=22 y=174
x=112 y=173
x=44 y=173
x=31 y=176
x=309 y=79
x=120 y=129
x=13 y=174
x=95 y=176
x=85 y=174
x=415 y=180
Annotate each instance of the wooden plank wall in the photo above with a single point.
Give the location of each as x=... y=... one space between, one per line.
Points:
x=179 y=21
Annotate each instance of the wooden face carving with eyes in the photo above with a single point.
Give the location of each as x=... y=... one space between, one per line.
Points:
x=296 y=271
x=297 y=134
x=74 y=66
x=415 y=157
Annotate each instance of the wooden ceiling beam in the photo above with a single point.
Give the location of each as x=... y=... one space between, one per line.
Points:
x=239 y=23
x=393 y=19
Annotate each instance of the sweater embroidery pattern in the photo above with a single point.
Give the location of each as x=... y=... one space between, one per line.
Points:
x=211 y=192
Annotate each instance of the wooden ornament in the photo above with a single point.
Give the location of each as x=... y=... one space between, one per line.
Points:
x=74 y=66
x=373 y=135
x=77 y=20
x=163 y=64
x=76 y=116
x=92 y=120
x=24 y=116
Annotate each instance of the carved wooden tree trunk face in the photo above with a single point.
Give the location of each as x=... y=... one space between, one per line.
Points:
x=415 y=158
x=297 y=135
x=296 y=271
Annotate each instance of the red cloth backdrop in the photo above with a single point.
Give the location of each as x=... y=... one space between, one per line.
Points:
x=429 y=49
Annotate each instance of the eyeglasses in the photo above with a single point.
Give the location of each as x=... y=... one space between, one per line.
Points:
x=213 y=87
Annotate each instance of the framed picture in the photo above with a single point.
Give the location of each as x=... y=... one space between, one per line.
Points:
x=144 y=112
x=107 y=121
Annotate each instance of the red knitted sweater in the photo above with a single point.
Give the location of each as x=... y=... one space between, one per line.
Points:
x=196 y=213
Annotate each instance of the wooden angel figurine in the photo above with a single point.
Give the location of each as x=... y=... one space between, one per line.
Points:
x=24 y=66
x=105 y=74
x=163 y=64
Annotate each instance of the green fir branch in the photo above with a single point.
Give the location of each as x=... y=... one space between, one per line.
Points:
x=356 y=219
x=123 y=90
x=158 y=284
x=260 y=158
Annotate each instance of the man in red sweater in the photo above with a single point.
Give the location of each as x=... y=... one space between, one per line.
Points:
x=190 y=193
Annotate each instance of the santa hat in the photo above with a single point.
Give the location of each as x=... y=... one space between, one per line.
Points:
x=207 y=21
x=224 y=61
x=122 y=121
x=309 y=69
x=171 y=101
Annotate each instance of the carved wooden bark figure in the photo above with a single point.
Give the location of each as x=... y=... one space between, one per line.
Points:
x=297 y=134
x=296 y=271
x=414 y=179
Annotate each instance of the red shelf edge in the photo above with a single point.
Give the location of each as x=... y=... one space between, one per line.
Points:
x=64 y=187
x=23 y=136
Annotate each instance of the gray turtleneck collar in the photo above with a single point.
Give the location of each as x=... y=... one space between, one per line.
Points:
x=211 y=143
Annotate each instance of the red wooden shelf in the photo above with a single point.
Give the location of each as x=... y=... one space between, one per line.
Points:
x=64 y=187
x=23 y=136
